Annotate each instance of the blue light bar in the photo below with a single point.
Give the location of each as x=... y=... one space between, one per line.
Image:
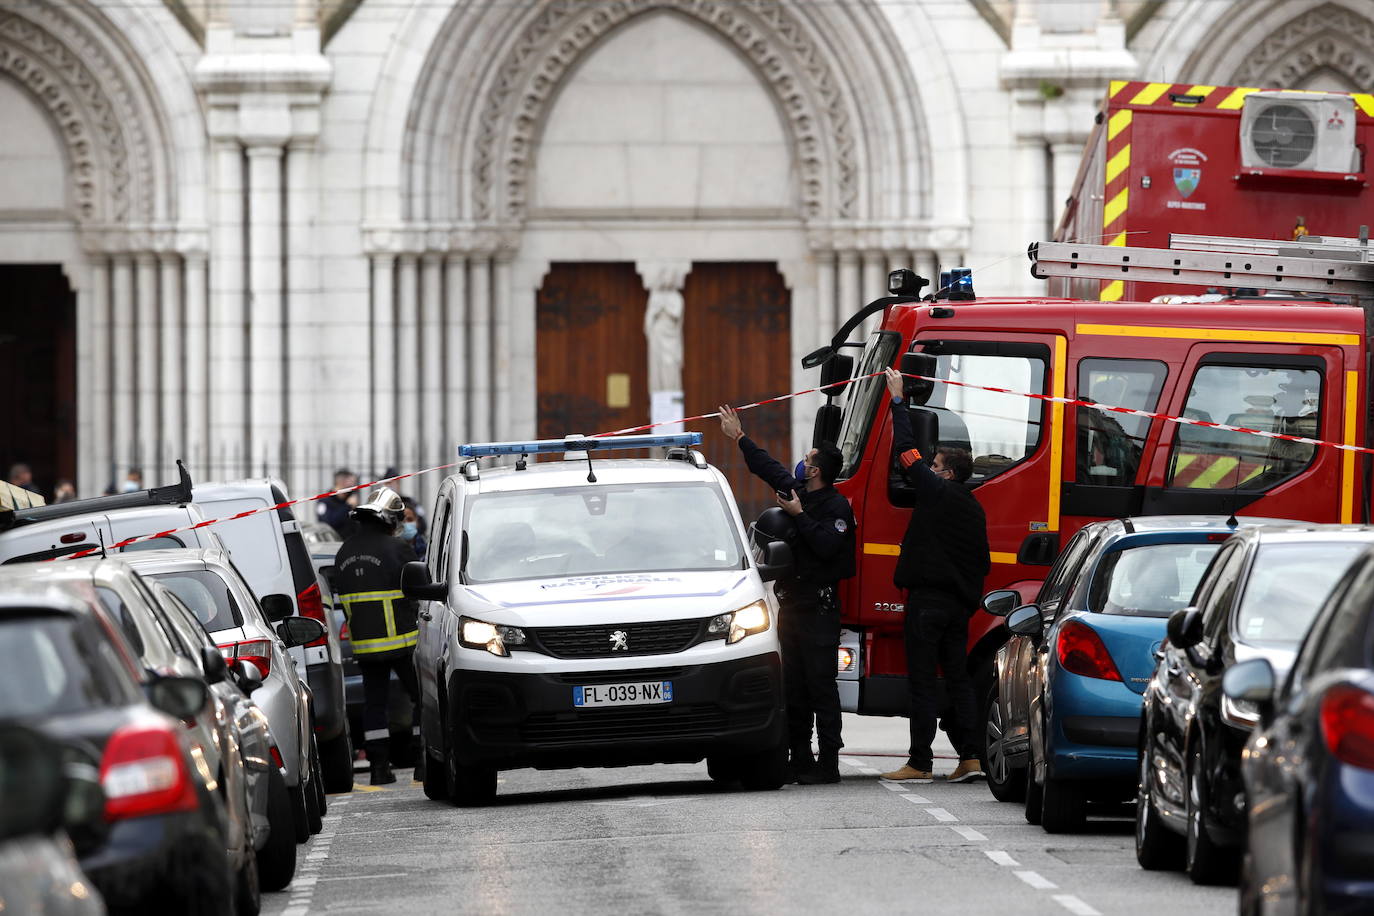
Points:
x=544 y=446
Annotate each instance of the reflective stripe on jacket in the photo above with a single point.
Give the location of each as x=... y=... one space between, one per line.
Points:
x=364 y=630
x=368 y=571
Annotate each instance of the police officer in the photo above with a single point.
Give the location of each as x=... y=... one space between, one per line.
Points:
x=381 y=621
x=809 y=628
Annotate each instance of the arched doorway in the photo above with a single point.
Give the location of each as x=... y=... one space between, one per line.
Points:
x=38 y=372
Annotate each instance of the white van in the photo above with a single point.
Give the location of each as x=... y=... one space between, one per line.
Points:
x=607 y=615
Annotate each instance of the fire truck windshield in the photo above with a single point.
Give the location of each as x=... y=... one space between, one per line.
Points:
x=863 y=398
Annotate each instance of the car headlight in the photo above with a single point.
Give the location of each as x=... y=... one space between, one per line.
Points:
x=495 y=638
x=734 y=626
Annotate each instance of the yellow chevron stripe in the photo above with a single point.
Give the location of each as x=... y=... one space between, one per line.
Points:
x=1114 y=208
x=1119 y=122
x=1203 y=91
x=1112 y=292
x=1151 y=93
x=1119 y=241
x=1118 y=163
x=1116 y=86
x=1209 y=478
x=1236 y=98
x=1366 y=102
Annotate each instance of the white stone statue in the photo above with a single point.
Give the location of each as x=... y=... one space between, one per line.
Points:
x=663 y=328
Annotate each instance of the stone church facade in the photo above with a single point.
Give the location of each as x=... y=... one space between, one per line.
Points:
x=286 y=235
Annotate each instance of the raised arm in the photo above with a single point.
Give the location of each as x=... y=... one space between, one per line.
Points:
x=911 y=464
x=761 y=464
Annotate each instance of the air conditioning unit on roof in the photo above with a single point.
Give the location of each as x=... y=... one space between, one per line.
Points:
x=1298 y=131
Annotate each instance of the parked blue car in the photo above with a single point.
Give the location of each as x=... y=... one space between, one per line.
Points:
x=1309 y=766
x=1063 y=721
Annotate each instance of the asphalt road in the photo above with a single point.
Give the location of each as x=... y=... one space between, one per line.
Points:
x=667 y=840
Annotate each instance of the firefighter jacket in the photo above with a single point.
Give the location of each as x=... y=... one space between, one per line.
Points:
x=823 y=551
x=381 y=621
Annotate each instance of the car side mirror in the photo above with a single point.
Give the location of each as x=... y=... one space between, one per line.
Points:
x=213 y=664
x=277 y=607
x=1001 y=602
x=297 y=631
x=179 y=697
x=775 y=560
x=1185 y=628
x=417 y=585
x=1252 y=682
x=1026 y=621
x=249 y=676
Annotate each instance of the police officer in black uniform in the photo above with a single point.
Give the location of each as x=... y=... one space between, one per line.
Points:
x=382 y=622
x=809 y=628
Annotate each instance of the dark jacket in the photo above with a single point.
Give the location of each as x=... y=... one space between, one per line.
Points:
x=381 y=621
x=335 y=512
x=946 y=544
x=823 y=551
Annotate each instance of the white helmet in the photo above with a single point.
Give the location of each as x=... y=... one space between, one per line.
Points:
x=385 y=506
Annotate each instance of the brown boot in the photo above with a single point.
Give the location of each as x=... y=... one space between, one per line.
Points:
x=968 y=769
x=909 y=773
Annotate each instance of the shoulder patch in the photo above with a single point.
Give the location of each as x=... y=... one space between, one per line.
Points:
x=910 y=457
x=841 y=525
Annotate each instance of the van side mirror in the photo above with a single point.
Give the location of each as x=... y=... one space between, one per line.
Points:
x=213 y=664
x=1026 y=621
x=775 y=561
x=918 y=390
x=417 y=585
x=179 y=697
x=298 y=631
x=1001 y=602
x=277 y=607
x=1185 y=628
x=1252 y=682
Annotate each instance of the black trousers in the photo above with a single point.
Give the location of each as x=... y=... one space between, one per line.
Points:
x=809 y=631
x=936 y=630
x=376 y=691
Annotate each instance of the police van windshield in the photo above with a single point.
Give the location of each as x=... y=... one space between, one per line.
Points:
x=618 y=528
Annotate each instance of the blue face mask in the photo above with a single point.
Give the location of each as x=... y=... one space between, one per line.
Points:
x=409 y=530
x=799 y=471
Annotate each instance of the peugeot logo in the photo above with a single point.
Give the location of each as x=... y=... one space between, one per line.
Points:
x=620 y=641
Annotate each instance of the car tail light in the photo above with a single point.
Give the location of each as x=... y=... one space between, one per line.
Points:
x=276 y=757
x=1347 y=714
x=256 y=651
x=343 y=632
x=1081 y=651
x=142 y=772
x=311 y=604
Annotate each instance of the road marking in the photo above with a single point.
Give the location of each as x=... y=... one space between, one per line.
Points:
x=940 y=814
x=968 y=833
x=893 y=786
x=916 y=799
x=1036 y=880
x=1001 y=857
x=302 y=886
x=1075 y=906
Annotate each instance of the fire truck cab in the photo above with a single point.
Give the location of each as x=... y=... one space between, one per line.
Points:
x=1044 y=468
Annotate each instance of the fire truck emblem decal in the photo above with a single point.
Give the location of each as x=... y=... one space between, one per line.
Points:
x=620 y=641
x=1186 y=180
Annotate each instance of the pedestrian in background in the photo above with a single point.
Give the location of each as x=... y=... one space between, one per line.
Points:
x=413 y=528
x=133 y=481
x=21 y=475
x=943 y=562
x=335 y=511
x=809 y=603
x=64 y=492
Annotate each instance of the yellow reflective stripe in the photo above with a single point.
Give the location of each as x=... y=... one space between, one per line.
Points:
x=1151 y=93
x=1209 y=478
x=1124 y=330
x=1118 y=163
x=390 y=612
x=1112 y=292
x=1236 y=98
x=371 y=596
x=1352 y=418
x=1182 y=460
x=1118 y=242
x=386 y=643
x=1366 y=102
x=883 y=550
x=997 y=557
x=1115 y=207
x=1057 y=431
x=1116 y=86
x=1202 y=91
x=1118 y=122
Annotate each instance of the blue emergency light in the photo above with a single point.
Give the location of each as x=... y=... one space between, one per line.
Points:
x=544 y=446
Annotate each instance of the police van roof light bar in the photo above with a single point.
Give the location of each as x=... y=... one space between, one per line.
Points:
x=580 y=444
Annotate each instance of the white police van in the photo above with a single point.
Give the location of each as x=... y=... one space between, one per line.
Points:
x=595 y=612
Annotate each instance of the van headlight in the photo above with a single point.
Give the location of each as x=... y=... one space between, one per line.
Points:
x=734 y=626
x=494 y=637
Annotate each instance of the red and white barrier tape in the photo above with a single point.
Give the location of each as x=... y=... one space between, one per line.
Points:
x=1072 y=402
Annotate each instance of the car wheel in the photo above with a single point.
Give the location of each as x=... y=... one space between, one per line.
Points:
x=247 y=891
x=1064 y=807
x=277 y=857
x=1035 y=797
x=1006 y=783
x=764 y=771
x=435 y=782
x=314 y=821
x=1206 y=862
x=336 y=762
x=1156 y=847
x=300 y=815
x=317 y=778
x=467 y=786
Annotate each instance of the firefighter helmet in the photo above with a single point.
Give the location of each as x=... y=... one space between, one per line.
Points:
x=385 y=506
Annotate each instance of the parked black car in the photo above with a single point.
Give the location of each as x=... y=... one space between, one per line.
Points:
x=1308 y=767
x=160 y=842
x=1256 y=600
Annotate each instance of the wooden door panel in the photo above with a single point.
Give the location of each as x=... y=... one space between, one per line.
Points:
x=590 y=348
x=737 y=341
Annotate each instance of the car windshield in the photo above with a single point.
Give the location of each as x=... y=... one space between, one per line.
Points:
x=1287 y=584
x=578 y=531
x=1152 y=580
x=49 y=669
x=206 y=594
